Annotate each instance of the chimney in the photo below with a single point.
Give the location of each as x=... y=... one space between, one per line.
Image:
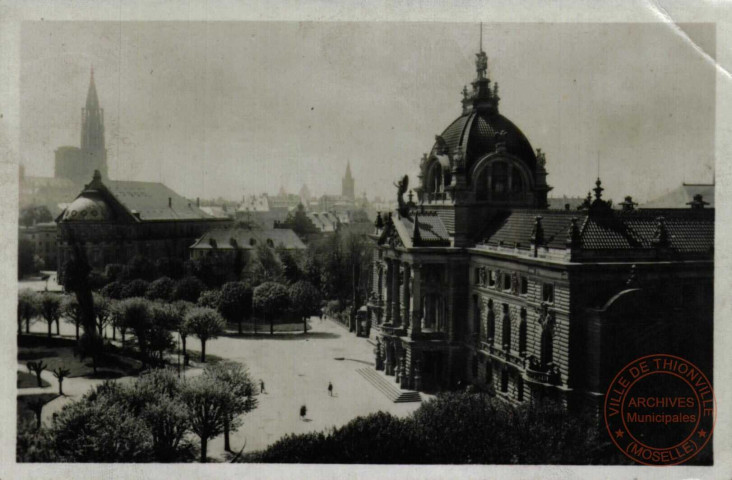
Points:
x=170 y=202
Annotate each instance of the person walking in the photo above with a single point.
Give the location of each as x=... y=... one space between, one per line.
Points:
x=303 y=412
x=330 y=389
x=261 y=386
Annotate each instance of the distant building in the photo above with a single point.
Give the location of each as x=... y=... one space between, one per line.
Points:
x=348 y=185
x=116 y=220
x=73 y=165
x=225 y=242
x=43 y=238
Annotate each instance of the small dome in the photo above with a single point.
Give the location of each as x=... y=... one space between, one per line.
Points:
x=87 y=209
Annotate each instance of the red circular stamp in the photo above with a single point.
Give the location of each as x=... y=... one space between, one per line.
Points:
x=660 y=410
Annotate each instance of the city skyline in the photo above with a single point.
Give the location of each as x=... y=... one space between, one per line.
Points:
x=201 y=122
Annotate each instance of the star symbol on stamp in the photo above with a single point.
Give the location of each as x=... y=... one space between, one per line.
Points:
x=618 y=433
x=702 y=433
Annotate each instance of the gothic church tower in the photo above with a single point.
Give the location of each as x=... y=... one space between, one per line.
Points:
x=348 y=188
x=93 y=150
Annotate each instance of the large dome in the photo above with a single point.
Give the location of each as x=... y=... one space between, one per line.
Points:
x=87 y=209
x=476 y=134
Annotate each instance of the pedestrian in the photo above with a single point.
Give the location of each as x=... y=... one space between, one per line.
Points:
x=261 y=386
x=303 y=412
x=330 y=389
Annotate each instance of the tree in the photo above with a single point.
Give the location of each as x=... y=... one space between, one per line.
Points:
x=50 y=308
x=26 y=252
x=112 y=271
x=236 y=302
x=266 y=266
x=72 y=311
x=299 y=222
x=290 y=269
x=188 y=289
x=305 y=301
x=206 y=324
x=182 y=327
x=210 y=299
x=113 y=290
x=208 y=402
x=37 y=368
x=138 y=267
x=101 y=428
x=60 y=373
x=170 y=267
x=156 y=398
x=242 y=392
x=136 y=316
x=161 y=289
x=28 y=308
x=272 y=299
x=119 y=320
x=103 y=312
x=135 y=288
x=165 y=318
x=36 y=406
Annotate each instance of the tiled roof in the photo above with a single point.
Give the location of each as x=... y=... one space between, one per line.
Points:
x=150 y=201
x=447 y=215
x=431 y=229
x=221 y=238
x=688 y=231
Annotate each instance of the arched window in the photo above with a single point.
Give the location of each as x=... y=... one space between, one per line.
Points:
x=499 y=181
x=506 y=327
x=504 y=380
x=522 y=333
x=517 y=181
x=547 y=347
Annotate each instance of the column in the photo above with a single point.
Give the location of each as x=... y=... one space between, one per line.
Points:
x=395 y=314
x=416 y=323
x=406 y=301
x=389 y=290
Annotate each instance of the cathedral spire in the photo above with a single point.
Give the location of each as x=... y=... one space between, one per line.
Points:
x=92 y=131
x=92 y=101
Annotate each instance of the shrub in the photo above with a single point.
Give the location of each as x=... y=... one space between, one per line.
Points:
x=210 y=299
x=161 y=289
x=113 y=290
x=188 y=289
x=135 y=288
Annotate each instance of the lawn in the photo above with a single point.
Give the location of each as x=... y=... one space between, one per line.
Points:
x=57 y=352
x=28 y=380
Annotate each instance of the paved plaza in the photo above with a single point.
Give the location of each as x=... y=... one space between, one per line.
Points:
x=296 y=369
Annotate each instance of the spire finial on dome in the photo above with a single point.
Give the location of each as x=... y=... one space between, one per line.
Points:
x=598 y=189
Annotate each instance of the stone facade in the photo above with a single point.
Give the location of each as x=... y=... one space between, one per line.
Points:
x=480 y=283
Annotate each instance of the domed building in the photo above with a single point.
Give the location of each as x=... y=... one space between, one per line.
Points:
x=476 y=281
x=116 y=220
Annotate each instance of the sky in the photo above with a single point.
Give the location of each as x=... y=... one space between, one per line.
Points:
x=232 y=108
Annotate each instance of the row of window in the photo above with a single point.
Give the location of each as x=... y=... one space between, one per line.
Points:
x=514 y=283
x=546 y=347
x=504 y=379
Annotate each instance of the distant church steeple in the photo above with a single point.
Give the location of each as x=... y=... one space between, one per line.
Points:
x=94 y=152
x=348 y=184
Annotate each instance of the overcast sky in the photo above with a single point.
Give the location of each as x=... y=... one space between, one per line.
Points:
x=226 y=109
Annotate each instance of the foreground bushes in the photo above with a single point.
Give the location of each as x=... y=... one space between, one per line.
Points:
x=454 y=428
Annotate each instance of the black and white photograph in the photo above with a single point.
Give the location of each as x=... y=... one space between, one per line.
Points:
x=459 y=246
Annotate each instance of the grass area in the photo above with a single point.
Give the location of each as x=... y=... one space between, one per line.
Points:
x=195 y=357
x=28 y=380
x=57 y=352
x=25 y=414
